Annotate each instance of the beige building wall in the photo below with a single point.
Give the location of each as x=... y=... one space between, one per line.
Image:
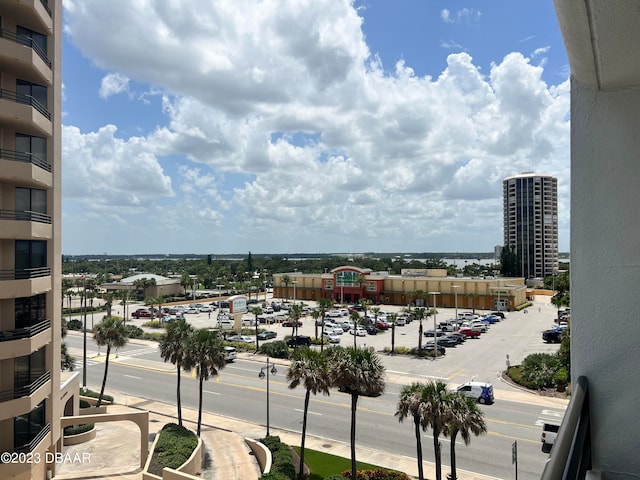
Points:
x=30 y=232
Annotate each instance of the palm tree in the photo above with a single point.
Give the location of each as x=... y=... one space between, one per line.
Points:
x=315 y=314
x=418 y=314
x=295 y=312
x=357 y=371
x=410 y=405
x=205 y=353
x=392 y=318
x=310 y=368
x=173 y=348
x=108 y=302
x=435 y=412
x=286 y=279
x=112 y=333
x=473 y=300
x=355 y=318
x=465 y=418
x=256 y=311
x=324 y=304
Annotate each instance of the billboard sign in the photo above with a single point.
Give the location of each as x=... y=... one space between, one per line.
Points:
x=238 y=304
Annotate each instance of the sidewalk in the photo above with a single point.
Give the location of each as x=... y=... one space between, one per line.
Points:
x=227 y=456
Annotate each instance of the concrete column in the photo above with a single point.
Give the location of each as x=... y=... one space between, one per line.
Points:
x=605 y=268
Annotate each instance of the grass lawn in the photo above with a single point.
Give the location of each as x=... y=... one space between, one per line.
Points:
x=324 y=464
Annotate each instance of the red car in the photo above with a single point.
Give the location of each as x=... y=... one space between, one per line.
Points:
x=469 y=332
x=142 y=313
x=291 y=323
x=382 y=325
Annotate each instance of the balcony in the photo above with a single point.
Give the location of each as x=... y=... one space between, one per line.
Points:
x=24 y=332
x=25 y=224
x=33 y=444
x=24 y=282
x=26 y=390
x=24 y=167
x=25 y=113
x=24 y=57
x=33 y=14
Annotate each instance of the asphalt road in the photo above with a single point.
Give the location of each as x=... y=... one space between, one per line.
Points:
x=238 y=393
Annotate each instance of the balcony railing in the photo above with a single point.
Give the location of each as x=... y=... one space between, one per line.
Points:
x=26 y=100
x=27 y=42
x=25 y=273
x=31 y=446
x=25 y=390
x=24 y=332
x=25 y=157
x=25 y=215
x=570 y=457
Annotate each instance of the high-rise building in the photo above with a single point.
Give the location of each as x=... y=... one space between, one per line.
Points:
x=531 y=222
x=31 y=382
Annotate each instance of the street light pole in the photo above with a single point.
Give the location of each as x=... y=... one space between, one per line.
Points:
x=455 y=293
x=84 y=330
x=435 y=335
x=261 y=375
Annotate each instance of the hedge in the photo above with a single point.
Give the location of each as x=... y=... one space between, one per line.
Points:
x=175 y=445
x=77 y=429
x=282 y=466
x=92 y=394
x=275 y=349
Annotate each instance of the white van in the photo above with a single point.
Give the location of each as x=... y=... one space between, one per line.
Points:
x=549 y=434
x=482 y=392
x=230 y=354
x=469 y=316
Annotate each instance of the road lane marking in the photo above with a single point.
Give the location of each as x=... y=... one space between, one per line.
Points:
x=212 y=393
x=133 y=376
x=396 y=371
x=309 y=412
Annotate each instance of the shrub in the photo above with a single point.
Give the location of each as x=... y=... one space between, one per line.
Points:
x=153 y=324
x=74 y=324
x=78 y=429
x=84 y=404
x=242 y=346
x=282 y=466
x=92 y=394
x=399 y=350
x=133 y=331
x=377 y=474
x=155 y=336
x=562 y=379
x=175 y=445
x=275 y=349
x=318 y=341
x=540 y=369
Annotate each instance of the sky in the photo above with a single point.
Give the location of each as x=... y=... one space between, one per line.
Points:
x=306 y=126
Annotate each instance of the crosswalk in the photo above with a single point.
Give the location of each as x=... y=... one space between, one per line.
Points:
x=115 y=354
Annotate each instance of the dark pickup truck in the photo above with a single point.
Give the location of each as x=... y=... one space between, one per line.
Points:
x=300 y=340
x=553 y=335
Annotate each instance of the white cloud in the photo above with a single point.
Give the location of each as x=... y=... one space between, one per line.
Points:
x=113 y=84
x=464 y=15
x=294 y=135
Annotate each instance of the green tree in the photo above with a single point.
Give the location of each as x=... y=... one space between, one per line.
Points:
x=324 y=304
x=112 y=333
x=355 y=318
x=256 y=311
x=311 y=369
x=392 y=318
x=66 y=360
x=173 y=348
x=315 y=314
x=286 y=279
x=419 y=314
x=204 y=353
x=295 y=312
x=465 y=418
x=409 y=405
x=509 y=263
x=357 y=371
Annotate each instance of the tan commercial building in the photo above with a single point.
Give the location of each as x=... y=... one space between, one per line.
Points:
x=348 y=284
x=33 y=391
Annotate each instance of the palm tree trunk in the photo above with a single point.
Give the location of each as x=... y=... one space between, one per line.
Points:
x=416 y=422
x=178 y=401
x=104 y=379
x=454 y=475
x=420 y=338
x=304 y=433
x=200 y=404
x=354 y=403
x=321 y=332
x=436 y=449
x=257 y=343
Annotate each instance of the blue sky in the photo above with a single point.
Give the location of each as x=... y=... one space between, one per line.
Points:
x=286 y=126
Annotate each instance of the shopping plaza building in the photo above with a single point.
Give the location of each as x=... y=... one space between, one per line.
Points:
x=422 y=287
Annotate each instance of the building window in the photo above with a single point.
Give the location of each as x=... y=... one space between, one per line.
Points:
x=31 y=200
x=347 y=279
x=33 y=146
x=28 y=91
x=30 y=310
x=27 y=427
x=35 y=40
x=31 y=254
x=29 y=368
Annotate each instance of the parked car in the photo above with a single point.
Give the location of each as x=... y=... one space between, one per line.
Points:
x=448 y=341
x=358 y=332
x=291 y=323
x=266 y=320
x=240 y=338
x=429 y=333
x=401 y=321
x=382 y=325
x=458 y=336
x=205 y=309
x=332 y=337
x=491 y=319
x=479 y=325
x=482 y=392
x=267 y=334
x=553 y=335
x=191 y=310
x=469 y=332
x=371 y=329
x=297 y=341
x=448 y=326
x=430 y=347
x=142 y=313
x=498 y=314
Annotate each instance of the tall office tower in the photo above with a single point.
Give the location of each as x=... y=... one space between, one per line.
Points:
x=531 y=222
x=30 y=240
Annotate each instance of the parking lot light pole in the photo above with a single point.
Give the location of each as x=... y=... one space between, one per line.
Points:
x=261 y=375
x=455 y=293
x=84 y=333
x=435 y=335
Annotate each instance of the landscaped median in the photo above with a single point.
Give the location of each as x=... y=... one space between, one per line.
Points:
x=176 y=453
